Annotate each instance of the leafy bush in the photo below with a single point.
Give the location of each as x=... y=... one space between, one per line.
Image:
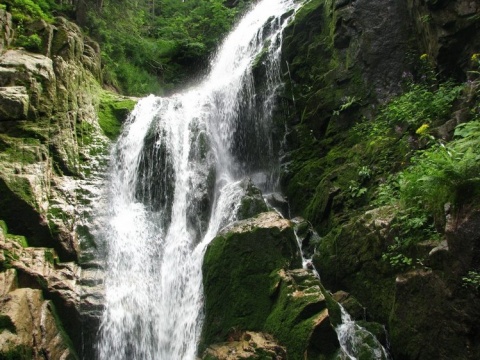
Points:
x=32 y=42
x=27 y=10
x=422 y=105
x=445 y=173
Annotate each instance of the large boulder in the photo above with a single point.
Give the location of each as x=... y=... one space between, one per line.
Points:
x=252 y=282
x=239 y=273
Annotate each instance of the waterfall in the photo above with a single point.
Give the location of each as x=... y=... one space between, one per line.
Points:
x=175 y=180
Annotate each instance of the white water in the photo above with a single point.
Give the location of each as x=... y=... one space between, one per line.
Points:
x=355 y=339
x=175 y=181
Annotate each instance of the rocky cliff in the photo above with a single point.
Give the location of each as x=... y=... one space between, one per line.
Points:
x=362 y=78
x=54 y=123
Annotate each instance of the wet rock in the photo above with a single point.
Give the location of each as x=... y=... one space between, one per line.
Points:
x=279 y=203
x=350 y=304
x=237 y=273
x=246 y=345
x=307 y=236
x=252 y=202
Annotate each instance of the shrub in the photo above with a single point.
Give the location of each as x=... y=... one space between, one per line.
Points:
x=445 y=173
x=422 y=106
x=32 y=42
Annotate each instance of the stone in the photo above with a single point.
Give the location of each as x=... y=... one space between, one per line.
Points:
x=14 y=103
x=251 y=203
x=30 y=328
x=239 y=274
x=6 y=30
x=462 y=232
x=429 y=321
x=35 y=72
x=247 y=345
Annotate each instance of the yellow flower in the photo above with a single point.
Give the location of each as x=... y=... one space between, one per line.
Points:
x=422 y=130
x=423 y=57
x=476 y=57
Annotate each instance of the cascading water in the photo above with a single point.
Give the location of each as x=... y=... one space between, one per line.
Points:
x=175 y=180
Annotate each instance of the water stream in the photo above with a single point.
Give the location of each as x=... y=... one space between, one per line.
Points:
x=175 y=180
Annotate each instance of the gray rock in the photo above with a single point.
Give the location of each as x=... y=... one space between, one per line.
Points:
x=14 y=103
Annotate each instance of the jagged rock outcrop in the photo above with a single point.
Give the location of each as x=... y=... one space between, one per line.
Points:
x=48 y=129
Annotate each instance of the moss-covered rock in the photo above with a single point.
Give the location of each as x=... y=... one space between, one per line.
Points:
x=250 y=285
x=301 y=317
x=113 y=111
x=240 y=274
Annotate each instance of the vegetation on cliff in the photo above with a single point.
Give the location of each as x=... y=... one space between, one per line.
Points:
x=383 y=160
x=147 y=46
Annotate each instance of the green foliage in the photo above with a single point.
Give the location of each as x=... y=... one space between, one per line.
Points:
x=472 y=280
x=445 y=173
x=422 y=105
x=28 y=10
x=149 y=47
x=32 y=42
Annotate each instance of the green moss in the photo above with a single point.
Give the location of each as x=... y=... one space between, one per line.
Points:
x=18 y=239
x=238 y=279
x=112 y=113
x=51 y=256
x=286 y=324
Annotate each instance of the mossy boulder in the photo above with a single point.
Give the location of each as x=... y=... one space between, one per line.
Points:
x=240 y=273
x=303 y=315
x=252 y=283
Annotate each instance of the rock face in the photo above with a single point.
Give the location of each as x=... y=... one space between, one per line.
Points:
x=246 y=345
x=52 y=155
x=31 y=326
x=447 y=32
x=250 y=285
x=345 y=59
x=48 y=129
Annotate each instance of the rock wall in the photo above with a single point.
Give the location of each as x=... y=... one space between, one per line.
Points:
x=343 y=61
x=53 y=119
